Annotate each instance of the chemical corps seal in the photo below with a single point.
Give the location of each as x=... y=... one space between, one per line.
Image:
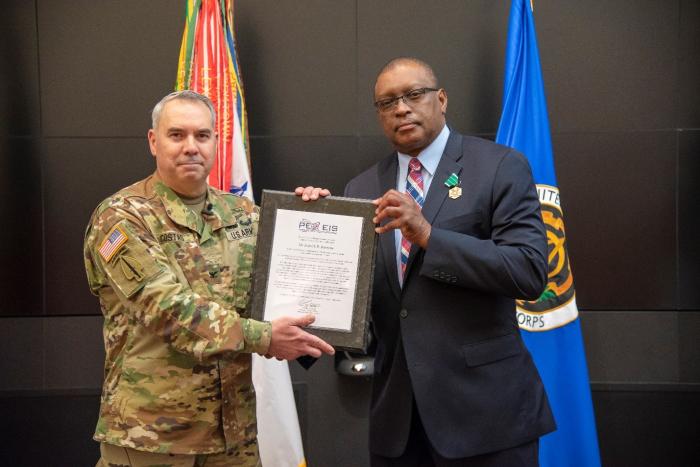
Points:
x=557 y=304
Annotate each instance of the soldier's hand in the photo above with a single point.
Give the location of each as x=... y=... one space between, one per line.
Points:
x=311 y=193
x=405 y=215
x=290 y=341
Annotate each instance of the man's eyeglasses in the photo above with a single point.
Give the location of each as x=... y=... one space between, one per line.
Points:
x=411 y=97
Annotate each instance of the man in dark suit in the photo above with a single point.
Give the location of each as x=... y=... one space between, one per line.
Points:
x=454 y=384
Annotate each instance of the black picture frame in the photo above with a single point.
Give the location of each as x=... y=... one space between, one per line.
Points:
x=356 y=339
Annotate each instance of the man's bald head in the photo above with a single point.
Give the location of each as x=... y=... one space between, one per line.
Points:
x=412 y=61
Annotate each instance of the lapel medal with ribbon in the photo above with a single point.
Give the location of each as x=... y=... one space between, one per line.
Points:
x=452 y=183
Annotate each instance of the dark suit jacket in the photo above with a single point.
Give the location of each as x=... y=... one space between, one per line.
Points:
x=450 y=338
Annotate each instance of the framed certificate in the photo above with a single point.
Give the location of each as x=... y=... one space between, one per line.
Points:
x=316 y=257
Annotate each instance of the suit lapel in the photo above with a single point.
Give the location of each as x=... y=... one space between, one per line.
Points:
x=438 y=191
x=387 y=181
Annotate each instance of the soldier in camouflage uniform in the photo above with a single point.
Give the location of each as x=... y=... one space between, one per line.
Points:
x=170 y=259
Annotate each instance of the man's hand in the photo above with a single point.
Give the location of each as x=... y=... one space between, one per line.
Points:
x=405 y=215
x=289 y=341
x=311 y=193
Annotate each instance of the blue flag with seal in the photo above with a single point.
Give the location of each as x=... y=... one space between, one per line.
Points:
x=550 y=324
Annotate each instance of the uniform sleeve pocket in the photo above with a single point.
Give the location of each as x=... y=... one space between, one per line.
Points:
x=130 y=266
x=492 y=350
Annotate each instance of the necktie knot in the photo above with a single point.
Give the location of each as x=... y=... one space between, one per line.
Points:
x=414 y=164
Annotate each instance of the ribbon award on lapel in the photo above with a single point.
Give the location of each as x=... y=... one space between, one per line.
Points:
x=452 y=183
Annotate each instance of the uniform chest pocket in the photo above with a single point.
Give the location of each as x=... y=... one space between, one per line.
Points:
x=188 y=258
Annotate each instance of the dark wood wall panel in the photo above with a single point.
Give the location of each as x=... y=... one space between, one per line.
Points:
x=688 y=347
x=80 y=173
x=105 y=64
x=21 y=239
x=298 y=62
x=619 y=199
x=465 y=45
x=689 y=219
x=648 y=428
x=609 y=65
x=282 y=163
x=48 y=431
x=21 y=344
x=73 y=352
x=627 y=335
x=689 y=65
x=19 y=73
x=337 y=409
x=52 y=353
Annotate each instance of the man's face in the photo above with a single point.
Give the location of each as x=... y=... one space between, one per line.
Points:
x=412 y=127
x=184 y=145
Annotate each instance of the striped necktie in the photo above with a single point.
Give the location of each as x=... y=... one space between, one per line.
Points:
x=414 y=187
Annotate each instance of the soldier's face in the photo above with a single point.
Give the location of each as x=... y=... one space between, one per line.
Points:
x=410 y=128
x=184 y=145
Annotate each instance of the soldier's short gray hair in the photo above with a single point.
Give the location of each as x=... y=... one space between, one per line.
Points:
x=182 y=95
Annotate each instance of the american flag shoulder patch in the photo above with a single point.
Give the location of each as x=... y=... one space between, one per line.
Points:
x=113 y=242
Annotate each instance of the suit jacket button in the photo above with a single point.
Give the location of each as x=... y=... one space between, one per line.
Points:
x=403 y=313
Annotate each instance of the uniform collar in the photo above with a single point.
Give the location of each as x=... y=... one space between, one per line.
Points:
x=219 y=215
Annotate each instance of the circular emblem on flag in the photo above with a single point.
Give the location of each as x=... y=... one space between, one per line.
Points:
x=560 y=283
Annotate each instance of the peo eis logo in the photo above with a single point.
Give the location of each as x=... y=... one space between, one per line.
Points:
x=306 y=225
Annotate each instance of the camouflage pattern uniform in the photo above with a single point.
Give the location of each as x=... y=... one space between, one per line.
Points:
x=173 y=287
x=117 y=456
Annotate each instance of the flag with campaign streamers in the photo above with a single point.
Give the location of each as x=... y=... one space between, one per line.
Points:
x=208 y=65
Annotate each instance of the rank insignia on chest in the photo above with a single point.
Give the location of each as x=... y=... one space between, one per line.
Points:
x=238 y=233
x=113 y=242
